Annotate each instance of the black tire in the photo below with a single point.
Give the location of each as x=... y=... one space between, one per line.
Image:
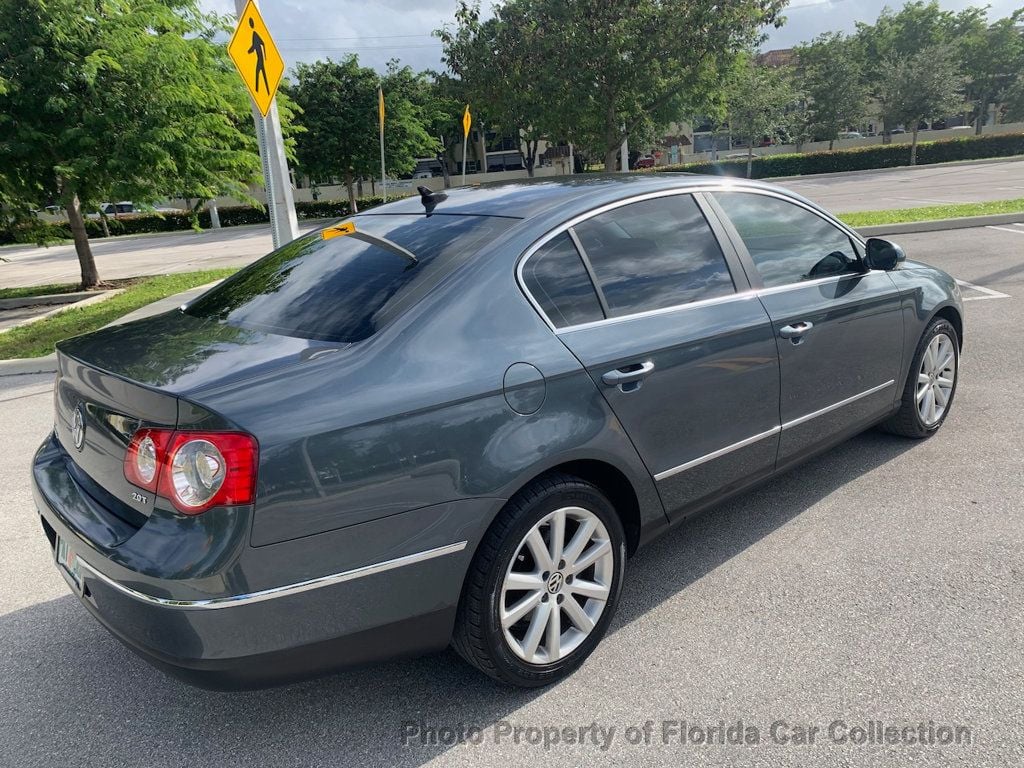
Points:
x=907 y=421
x=478 y=635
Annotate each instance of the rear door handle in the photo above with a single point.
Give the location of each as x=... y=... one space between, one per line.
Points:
x=796 y=330
x=627 y=374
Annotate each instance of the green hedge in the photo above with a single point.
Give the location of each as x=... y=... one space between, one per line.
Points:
x=860 y=158
x=138 y=223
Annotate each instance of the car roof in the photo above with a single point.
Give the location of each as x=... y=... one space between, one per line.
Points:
x=566 y=195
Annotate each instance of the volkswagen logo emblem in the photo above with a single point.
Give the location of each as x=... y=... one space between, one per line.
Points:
x=555 y=582
x=78 y=427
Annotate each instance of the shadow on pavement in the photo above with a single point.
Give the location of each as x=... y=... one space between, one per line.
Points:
x=71 y=694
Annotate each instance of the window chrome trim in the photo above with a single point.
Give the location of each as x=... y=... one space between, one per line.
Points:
x=737 y=185
x=717 y=454
x=829 y=408
x=283 y=591
x=768 y=433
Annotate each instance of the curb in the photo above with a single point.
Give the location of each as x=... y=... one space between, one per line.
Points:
x=50 y=299
x=29 y=365
x=94 y=299
x=940 y=225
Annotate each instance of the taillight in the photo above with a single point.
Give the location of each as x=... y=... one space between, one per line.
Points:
x=195 y=470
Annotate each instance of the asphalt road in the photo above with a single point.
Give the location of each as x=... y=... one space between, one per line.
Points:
x=236 y=246
x=880 y=582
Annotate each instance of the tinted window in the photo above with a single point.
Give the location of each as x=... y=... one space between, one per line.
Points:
x=654 y=254
x=788 y=243
x=344 y=289
x=556 y=278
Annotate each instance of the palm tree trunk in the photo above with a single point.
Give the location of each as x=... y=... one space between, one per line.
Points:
x=750 y=158
x=913 y=146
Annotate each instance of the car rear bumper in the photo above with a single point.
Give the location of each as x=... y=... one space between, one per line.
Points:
x=241 y=638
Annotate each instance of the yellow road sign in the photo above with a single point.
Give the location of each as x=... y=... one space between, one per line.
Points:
x=467 y=120
x=339 y=230
x=256 y=57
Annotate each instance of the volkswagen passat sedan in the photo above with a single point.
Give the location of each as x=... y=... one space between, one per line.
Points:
x=450 y=420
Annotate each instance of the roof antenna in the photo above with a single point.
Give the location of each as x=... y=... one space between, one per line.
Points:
x=430 y=199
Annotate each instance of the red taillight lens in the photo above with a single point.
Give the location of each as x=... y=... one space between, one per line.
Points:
x=144 y=457
x=195 y=470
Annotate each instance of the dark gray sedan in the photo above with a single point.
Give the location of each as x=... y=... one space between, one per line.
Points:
x=450 y=420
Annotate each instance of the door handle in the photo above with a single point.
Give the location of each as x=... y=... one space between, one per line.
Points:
x=796 y=330
x=627 y=374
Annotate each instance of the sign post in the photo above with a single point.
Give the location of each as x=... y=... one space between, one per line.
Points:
x=380 y=115
x=467 y=121
x=260 y=64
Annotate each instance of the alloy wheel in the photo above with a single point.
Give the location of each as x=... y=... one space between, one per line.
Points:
x=935 y=379
x=557 y=585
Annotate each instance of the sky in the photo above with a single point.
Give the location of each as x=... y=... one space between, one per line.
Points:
x=384 y=29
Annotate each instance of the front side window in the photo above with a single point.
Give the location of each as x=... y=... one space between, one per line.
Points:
x=788 y=243
x=654 y=254
x=557 y=279
x=344 y=289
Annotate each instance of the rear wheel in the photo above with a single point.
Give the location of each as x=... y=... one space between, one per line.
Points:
x=544 y=583
x=931 y=384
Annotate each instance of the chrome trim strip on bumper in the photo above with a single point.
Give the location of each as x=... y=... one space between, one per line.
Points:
x=715 y=454
x=773 y=431
x=267 y=594
x=834 y=406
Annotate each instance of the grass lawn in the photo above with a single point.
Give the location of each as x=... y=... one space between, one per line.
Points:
x=932 y=212
x=37 y=339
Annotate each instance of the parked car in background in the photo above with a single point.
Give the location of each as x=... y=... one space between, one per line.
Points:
x=851 y=135
x=646 y=161
x=452 y=419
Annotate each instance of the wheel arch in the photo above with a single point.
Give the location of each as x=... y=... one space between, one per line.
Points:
x=953 y=316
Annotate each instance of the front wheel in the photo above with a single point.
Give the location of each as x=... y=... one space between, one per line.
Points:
x=931 y=384
x=544 y=583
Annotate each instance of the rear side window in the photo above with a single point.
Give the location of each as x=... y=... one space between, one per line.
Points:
x=345 y=289
x=556 y=278
x=654 y=254
x=788 y=243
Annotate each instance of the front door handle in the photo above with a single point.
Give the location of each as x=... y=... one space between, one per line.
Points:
x=796 y=330
x=628 y=374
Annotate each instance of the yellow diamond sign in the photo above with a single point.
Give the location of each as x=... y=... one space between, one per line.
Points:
x=256 y=57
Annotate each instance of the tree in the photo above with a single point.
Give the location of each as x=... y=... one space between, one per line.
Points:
x=131 y=99
x=338 y=100
x=904 y=33
x=920 y=86
x=831 y=80
x=760 y=99
x=504 y=74
x=603 y=71
x=442 y=100
x=993 y=60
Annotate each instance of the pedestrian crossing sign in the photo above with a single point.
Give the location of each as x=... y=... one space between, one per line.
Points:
x=256 y=57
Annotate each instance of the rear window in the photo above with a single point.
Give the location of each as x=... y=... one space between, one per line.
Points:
x=345 y=289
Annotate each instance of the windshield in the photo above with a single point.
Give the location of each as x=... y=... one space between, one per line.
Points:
x=344 y=289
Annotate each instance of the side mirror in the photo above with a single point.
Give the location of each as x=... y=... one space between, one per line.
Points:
x=881 y=254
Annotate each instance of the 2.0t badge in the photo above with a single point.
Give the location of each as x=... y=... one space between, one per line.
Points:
x=78 y=428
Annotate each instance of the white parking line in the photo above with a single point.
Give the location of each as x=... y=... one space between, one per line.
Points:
x=1007 y=229
x=989 y=293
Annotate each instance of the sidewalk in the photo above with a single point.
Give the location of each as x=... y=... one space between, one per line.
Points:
x=48 y=364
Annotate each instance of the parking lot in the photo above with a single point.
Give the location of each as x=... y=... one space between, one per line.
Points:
x=882 y=582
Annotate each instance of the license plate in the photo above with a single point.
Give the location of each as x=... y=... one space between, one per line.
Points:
x=69 y=563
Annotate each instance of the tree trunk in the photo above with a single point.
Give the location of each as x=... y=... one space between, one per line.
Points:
x=831 y=144
x=90 y=275
x=103 y=222
x=913 y=145
x=611 y=159
x=750 y=158
x=530 y=156
x=442 y=158
x=353 y=206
